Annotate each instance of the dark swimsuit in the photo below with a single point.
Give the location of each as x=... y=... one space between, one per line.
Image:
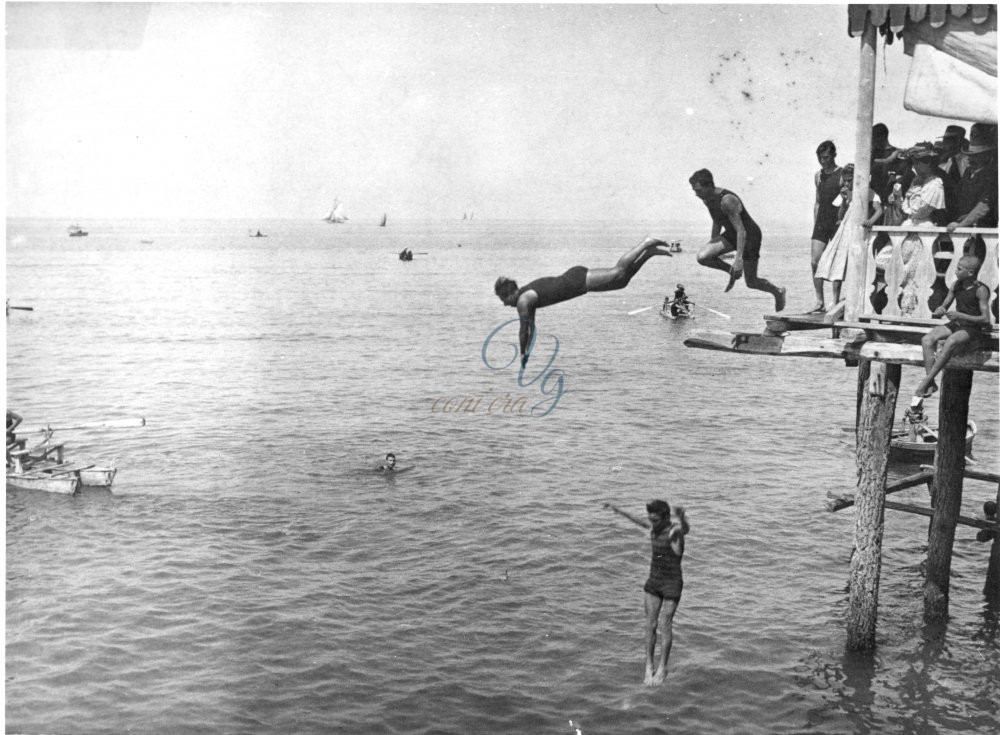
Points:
x=751 y=245
x=827 y=190
x=967 y=302
x=553 y=289
x=665 y=578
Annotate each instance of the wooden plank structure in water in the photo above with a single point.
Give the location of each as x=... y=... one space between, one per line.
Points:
x=879 y=342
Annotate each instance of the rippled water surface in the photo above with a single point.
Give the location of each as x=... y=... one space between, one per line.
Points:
x=250 y=573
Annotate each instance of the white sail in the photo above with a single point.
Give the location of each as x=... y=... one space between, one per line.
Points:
x=336 y=215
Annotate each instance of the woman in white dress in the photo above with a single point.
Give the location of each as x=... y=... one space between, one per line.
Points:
x=833 y=263
x=916 y=205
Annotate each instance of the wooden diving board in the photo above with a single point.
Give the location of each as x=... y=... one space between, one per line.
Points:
x=847 y=346
x=753 y=343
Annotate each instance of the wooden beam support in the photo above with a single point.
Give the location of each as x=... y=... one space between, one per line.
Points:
x=992 y=587
x=858 y=255
x=874 y=433
x=960 y=520
x=971 y=474
x=846 y=501
x=946 y=490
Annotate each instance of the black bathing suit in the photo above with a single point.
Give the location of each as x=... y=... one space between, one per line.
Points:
x=665 y=577
x=553 y=289
x=827 y=189
x=967 y=302
x=751 y=246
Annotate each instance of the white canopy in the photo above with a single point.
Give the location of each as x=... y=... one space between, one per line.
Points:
x=954 y=48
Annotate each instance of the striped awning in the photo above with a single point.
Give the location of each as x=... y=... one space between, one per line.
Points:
x=892 y=19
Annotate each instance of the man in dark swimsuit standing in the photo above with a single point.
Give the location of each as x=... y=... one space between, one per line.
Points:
x=665 y=583
x=733 y=229
x=577 y=281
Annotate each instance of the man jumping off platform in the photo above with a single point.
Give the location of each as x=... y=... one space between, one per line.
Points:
x=733 y=229
x=577 y=281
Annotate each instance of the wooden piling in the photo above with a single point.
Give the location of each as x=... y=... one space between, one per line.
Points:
x=992 y=588
x=946 y=489
x=878 y=411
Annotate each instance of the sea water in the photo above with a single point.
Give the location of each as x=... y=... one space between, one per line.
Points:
x=249 y=572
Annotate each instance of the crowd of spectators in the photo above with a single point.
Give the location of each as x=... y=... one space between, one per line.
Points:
x=950 y=183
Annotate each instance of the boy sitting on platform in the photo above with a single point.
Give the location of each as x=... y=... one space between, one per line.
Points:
x=966 y=326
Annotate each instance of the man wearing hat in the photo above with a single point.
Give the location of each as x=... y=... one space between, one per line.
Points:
x=953 y=159
x=977 y=193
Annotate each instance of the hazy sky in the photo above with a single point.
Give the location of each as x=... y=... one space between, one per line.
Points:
x=510 y=111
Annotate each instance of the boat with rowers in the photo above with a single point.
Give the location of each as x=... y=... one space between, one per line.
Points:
x=673 y=309
x=916 y=441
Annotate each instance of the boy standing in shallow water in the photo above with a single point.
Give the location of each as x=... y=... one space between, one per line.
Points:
x=665 y=583
x=965 y=328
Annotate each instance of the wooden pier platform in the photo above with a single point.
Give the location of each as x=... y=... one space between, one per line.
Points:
x=891 y=339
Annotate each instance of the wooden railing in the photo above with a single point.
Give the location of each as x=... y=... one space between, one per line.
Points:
x=915 y=278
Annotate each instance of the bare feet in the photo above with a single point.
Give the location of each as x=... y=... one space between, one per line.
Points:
x=648 y=680
x=779 y=300
x=818 y=308
x=658 y=677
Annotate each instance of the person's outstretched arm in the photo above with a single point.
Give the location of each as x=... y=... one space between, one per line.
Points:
x=638 y=521
x=526 y=310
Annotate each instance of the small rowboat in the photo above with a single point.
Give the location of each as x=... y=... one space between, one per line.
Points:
x=98 y=476
x=683 y=312
x=61 y=478
x=921 y=445
x=67 y=483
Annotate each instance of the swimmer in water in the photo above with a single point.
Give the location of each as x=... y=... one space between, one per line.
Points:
x=389 y=465
x=577 y=281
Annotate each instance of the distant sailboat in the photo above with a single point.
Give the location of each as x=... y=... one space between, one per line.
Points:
x=336 y=215
x=77 y=231
x=382 y=223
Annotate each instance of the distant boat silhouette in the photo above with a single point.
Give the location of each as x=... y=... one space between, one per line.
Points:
x=382 y=224
x=77 y=231
x=258 y=234
x=336 y=215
